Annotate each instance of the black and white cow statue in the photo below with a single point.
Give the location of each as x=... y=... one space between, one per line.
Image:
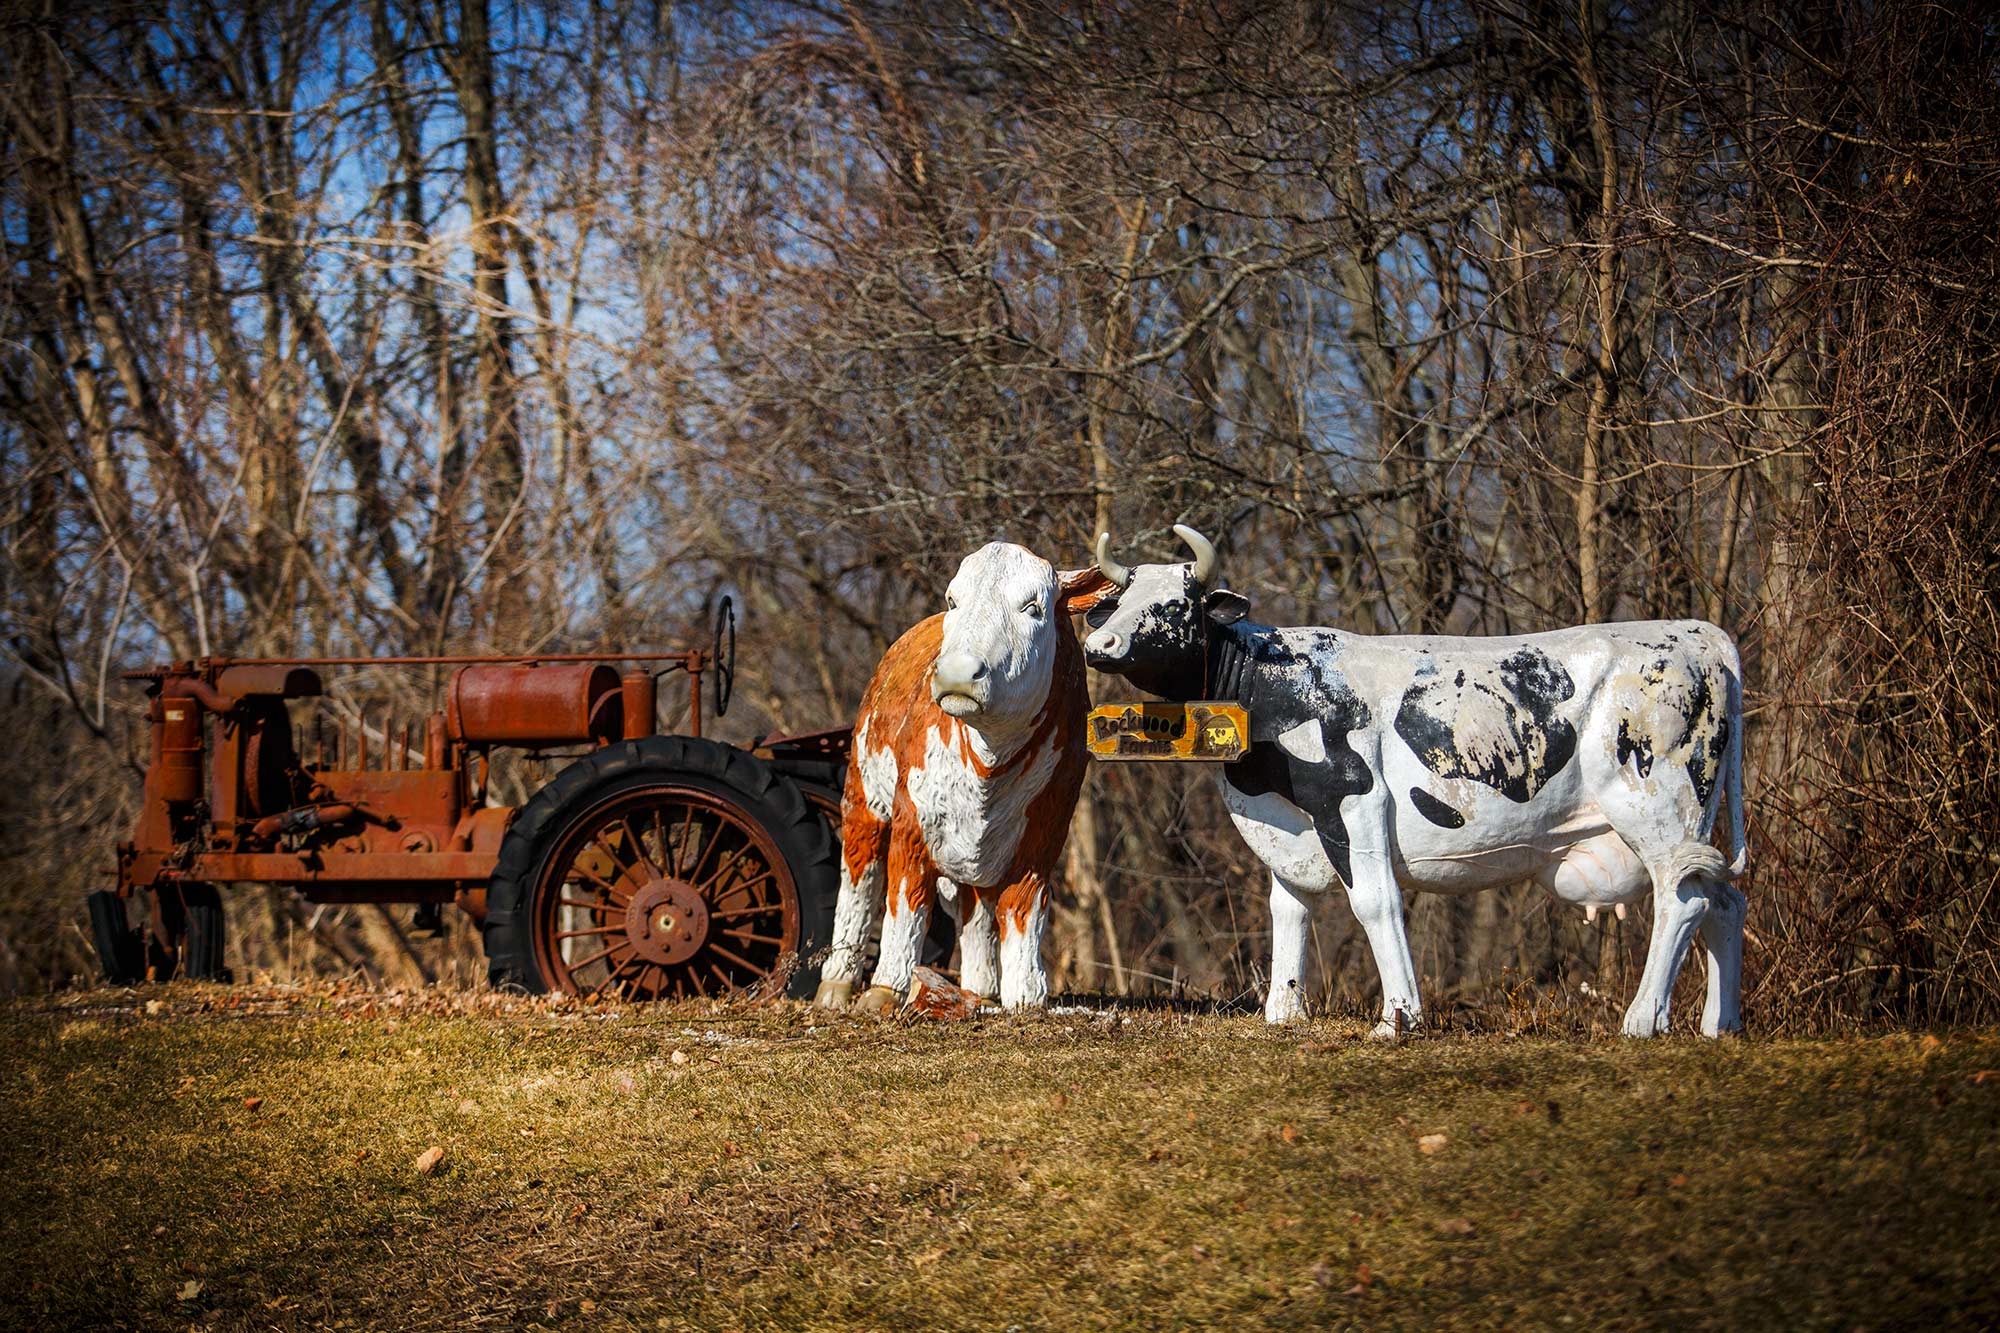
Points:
x=1592 y=760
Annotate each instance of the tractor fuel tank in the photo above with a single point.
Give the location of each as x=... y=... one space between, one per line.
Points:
x=178 y=720
x=522 y=703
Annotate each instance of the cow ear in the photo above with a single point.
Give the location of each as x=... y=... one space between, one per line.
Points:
x=1225 y=607
x=1081 y=589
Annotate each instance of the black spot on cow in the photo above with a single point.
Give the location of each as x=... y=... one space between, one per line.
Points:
x=1703 y=709
x=1317 y=788
x=1635 y=750
x=1431 y=808
x=1705 y=764
x=1282 y=687
x=1515 y=744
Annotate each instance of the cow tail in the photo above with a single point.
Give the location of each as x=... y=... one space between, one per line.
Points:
x=1691 y=860
x=1732 y=778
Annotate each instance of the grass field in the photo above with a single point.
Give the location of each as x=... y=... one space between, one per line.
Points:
x=247 y=1159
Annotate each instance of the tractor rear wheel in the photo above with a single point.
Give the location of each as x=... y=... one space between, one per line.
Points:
x=120 y=948
x=201 y=944
x=663 y=868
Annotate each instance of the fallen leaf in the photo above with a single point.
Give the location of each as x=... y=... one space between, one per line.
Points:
x=679 y=1057
x=1429 y=1144
x=587 y=1305
x=468 y=1107
x=972 y=1138
x=1678 y=1180
x=1455 y=1226
x=1363 y=1278
x=429 y=1159
x=1289 y=1133
x=1058 y=1101
x=729 y=1148
x=1930 y=1043
x=154 y=1006
x=1523 y=1107
x=576 y=1213
x=252 y=1103
x=1985 y=1074
x=190 y=1289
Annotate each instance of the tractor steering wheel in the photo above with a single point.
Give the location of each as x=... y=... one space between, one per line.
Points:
x=725 y=661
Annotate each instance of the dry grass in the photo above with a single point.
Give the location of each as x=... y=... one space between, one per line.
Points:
x=621 y=1168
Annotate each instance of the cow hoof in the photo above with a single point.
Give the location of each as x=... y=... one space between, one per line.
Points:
x=834 y=994
x=1644 y=1025
x=1292 y=1010
x=1402 y=1024
x=878 y=1001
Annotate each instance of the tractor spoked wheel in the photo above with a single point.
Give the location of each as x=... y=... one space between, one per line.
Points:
x=668 y=868
x=666 y=891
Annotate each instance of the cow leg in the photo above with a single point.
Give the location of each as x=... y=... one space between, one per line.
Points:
x=1680 y=901
x=1378 y=906
x=1023 y=919
x=979 y=941
x=864 y=855
x=912 y=885
x=1722 y=942
x=1291 y=921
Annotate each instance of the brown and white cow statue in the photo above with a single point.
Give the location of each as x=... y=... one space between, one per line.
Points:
x=968 y=754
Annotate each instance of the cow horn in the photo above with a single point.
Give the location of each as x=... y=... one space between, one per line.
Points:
x=1111 y=569
x=1204 y=554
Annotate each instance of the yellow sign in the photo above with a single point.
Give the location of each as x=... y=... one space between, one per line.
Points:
x=1204 y=731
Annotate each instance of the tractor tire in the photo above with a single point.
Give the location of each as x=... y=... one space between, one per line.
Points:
x=201 y=944
x=663 y=868
x=120 y=949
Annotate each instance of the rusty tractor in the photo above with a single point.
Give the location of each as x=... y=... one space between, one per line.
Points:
x=652 y=866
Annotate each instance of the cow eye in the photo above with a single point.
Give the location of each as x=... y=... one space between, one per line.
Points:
x=1097 y=615
x=950 y=602
x=1032 y=607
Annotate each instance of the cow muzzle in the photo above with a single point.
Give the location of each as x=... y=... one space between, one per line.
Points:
x=961 y=684
x=1104 y=648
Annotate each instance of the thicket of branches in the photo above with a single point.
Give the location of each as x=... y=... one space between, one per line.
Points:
x=415 y=325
